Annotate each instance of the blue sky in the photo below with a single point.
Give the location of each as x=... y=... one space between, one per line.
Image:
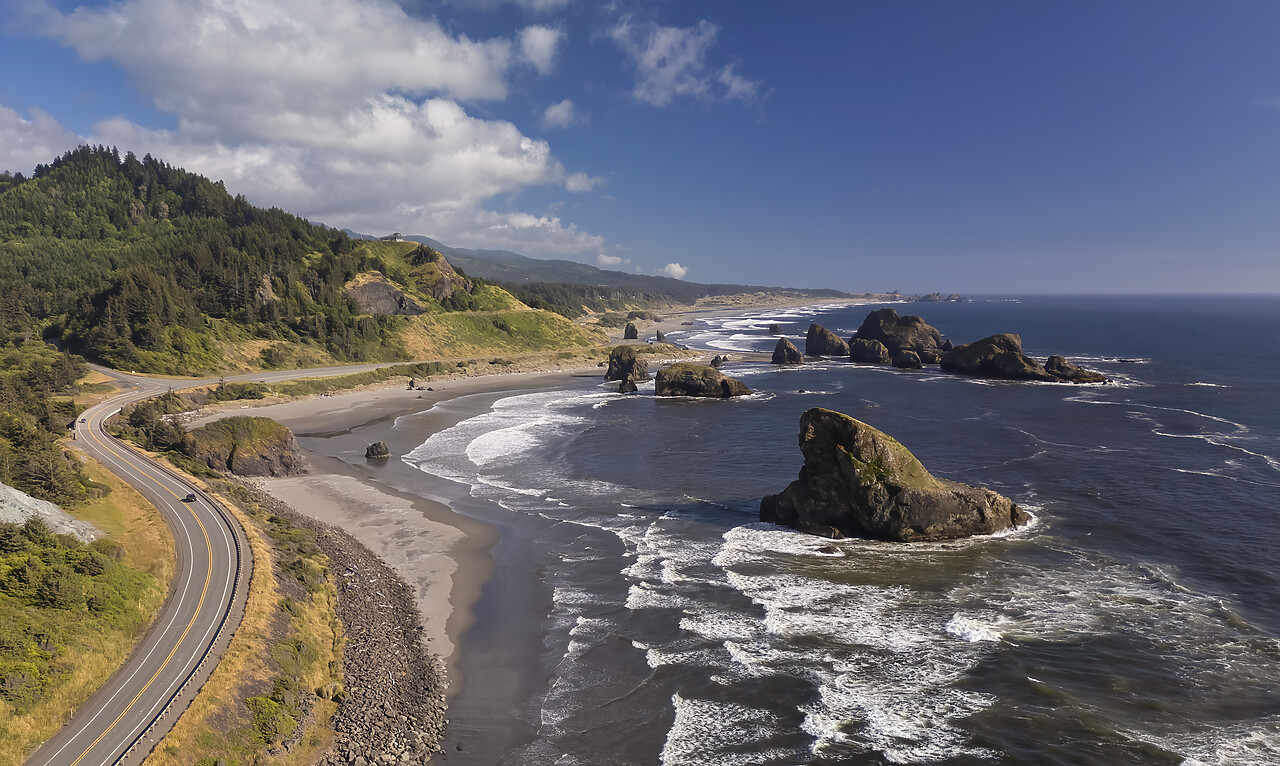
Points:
x=973 y=147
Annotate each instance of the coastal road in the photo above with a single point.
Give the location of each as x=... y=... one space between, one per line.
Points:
x=136 y=707
x=124 y=719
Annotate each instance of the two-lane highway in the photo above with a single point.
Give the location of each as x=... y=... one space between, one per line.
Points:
x=136 y=706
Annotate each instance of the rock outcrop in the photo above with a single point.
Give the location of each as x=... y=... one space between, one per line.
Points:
x=718 y=361
x=865 y=351
x=374 y=294
x=631 y=332
x=786 y=353
x=377 y=450
x=16 y=507
x=245 y=446
x=1000 y=357
x=433 y=275
x=860 y=482
x=822 y=342
x=685 y=379
x=659 y=336
x=900 y=333
x=626 y=364
x=628 y=386
x=775 y=329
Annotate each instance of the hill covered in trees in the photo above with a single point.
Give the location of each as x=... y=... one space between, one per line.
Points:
x=145 y=266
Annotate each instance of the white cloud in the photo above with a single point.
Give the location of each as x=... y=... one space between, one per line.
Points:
x=560 y=115
x=581 y=182
x=342 y=111
x=671 y=62
x=611 y=260
x=673 y=270
x=536 y=6
x=538 y=46
x=36 y=140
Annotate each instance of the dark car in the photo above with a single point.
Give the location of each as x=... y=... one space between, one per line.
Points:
x=190 y=498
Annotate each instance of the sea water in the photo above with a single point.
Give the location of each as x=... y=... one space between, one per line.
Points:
x=1136 y=619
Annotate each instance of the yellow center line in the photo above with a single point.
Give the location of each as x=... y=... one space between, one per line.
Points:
x=199 y=606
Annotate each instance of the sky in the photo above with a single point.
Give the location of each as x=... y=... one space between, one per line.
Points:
x=969 y=146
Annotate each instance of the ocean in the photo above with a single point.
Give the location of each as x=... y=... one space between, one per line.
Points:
x=1136 y=620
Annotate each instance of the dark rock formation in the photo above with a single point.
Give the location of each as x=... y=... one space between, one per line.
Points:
x=718 y=361
x=775 y=329
x=1000 y=356
x=684 y=379
x=928 y=355
x=628 y=386
x=625 y=364
x=823 y=342
x=899 y=333
x=659 y=336
x=786 y=353
x=860 y=482
x=946 y=346
x=245 y=446
x=377 y=450
x=631 y=332
x=1061 y=369
x=907 y=360
x=865 y=351
x=374 y=294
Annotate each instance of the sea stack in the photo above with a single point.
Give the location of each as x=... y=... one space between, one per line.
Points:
x=860 y=482
x=685 y=379
x=899 y=333
x=1000 y=356
x=631 y=332
x=377 y=450
x=822 y=342
x=786 y=353
x=625 y=364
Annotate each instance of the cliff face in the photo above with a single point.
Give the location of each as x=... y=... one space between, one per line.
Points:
x=245 y=446
x=860 y=482
x=376 y=295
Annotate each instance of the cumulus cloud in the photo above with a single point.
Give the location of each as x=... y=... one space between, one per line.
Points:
x=611 y=261
x=674 y=270
x=560 y=115
x=345 y=111
x=672 y=62
x=34 y=140
x=581 y=182
x=538 y=46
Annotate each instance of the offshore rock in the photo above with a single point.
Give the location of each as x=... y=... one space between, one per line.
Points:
x=865 y=351
x=860 y=482
x=625 y=364
x=899 y=333
x=775 y=329
x=660 y=337
x=377 y=450
x=822 y=342
x=907 y=360
x=685 y=379
x=786 y=353
x=631 y=332
x=628 y=386
x=1000 y=356
x=718 y=361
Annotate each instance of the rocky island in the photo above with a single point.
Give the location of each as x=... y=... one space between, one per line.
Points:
x=1000 y=356
x=685 y=379
x=858 y=481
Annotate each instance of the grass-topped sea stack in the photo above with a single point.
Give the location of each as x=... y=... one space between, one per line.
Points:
x=860 y=482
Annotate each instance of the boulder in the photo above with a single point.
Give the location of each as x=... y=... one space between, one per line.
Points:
x=660 y=336
x=786 y=353
x=1063 y=370
x=718 y=361
x=865 y=351
x=377 y=450
x=625 y=364
x=823 y=342
x=775 y=329
x=907 y=360
x=628 y=386
x=860 y=482
x=997 y=356
x=631 y=332
x=899 y=333
x=685 y=379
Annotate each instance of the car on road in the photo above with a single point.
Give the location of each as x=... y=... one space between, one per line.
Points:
x=190 y=498
x=83 y=420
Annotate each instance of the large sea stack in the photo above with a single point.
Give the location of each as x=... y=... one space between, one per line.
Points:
x=899 y=333
x=786 y=353
x=631 y=332
x=860 y=482
x=625 y=364
x=685 y=379
x=1000 y=356
x=822 y=342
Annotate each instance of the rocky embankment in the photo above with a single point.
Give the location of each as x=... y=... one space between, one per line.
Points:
x=858 y=481
x=17 y=506
x=393 y=706
x=245 y=446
